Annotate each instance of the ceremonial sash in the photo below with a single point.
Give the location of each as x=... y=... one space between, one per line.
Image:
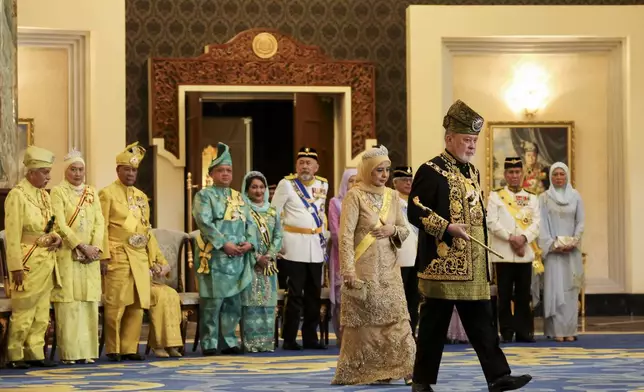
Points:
x=303 y=194
x=505 y=196
x=262 y=224
x=205 y=251
x=78 y=206
x=271 y=269
x=369 y=239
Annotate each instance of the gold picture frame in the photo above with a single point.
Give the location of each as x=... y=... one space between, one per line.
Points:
x=26 y=132
x=538 y=143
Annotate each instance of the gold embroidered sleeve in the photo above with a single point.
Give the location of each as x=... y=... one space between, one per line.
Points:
x=348 y=223
x=98 y=231
x=106 y=203
x=14 y=218
x=435 y=225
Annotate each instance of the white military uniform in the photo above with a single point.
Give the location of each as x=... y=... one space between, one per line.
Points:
x=303 y=257
x=301 y=241
x=502 y=223
x=510 y=213
x=406 y=255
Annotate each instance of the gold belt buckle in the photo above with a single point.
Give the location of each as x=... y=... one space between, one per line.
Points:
x=313 y=231
x=138 y=241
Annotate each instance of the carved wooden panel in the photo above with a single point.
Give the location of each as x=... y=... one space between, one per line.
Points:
x=237 y=63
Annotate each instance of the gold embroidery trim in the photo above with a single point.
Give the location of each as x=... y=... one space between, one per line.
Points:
x=453 y=263
x=435 y=225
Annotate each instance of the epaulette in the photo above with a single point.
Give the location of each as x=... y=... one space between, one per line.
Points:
x=291 y=177
x=529 y=191
x=321 y=179
x=497 y=189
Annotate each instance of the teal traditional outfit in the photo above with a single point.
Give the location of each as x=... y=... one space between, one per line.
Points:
x=260 y=297
x=222 y=216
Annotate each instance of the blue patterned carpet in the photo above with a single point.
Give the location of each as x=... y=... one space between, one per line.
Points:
x=607 y=362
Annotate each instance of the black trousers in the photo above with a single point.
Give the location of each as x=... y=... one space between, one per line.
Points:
x=304 y=283
x=281 y=274
x=513 y=282
x=410 y=284
x=476 y=316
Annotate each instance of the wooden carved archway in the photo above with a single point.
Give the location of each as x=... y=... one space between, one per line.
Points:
x=259 y=57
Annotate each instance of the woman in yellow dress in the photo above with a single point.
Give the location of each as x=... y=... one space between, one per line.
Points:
x=165 y=309
x=80 y=220
x=377 y=342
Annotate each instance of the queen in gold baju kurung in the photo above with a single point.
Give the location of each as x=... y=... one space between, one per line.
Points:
x=30 y=260
x=125 y=252
x=81 y=224
x=377 y=342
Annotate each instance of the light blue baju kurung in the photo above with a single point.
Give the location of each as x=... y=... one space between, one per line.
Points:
x=562 y=215
x=222 y=216
x=259 y=299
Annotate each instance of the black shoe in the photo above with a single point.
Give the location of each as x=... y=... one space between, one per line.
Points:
x=507 y=338
x=209 y=352
x=293 y=346
x=417 y=387
x=45 y=363
x=526 y=339
x=315 y=346
x=231 y=351
x=18 y=365
x=134 y=357
x=114 y=357
x=509 y=383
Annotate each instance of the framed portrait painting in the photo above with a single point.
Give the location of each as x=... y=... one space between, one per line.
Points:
x=25 y=132
x=538 y=144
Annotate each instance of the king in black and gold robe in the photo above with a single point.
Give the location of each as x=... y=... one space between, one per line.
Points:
x=454 y=271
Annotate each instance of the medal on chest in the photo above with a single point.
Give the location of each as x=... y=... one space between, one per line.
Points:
x=522 y=200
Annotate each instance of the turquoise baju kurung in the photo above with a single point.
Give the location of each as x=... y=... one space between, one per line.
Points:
x=259 y=299
x=222 y=216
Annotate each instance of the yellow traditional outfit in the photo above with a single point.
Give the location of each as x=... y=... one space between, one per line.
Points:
x=127 y=242
x=28 y=227
x=80 y=223
x=165 y=312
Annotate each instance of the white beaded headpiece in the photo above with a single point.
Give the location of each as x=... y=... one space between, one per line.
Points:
x=376 y=152
x=74 y=153
x=73 y=156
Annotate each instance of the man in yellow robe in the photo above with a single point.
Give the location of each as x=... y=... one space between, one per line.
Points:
x=81 y=225
x=31 y=259
x=125 y=259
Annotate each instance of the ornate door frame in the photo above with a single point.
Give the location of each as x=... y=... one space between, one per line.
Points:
x=256 y=57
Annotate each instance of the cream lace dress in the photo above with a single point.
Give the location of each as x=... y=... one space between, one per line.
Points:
x=377 y=342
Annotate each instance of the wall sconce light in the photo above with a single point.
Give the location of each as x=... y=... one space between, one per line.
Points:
x=528 y=92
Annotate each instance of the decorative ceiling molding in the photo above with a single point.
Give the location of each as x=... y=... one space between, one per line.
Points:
x=75 y=43
x=531 y=45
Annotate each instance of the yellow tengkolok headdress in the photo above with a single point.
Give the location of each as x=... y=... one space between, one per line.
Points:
x=38 y=158
x=131 y=156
